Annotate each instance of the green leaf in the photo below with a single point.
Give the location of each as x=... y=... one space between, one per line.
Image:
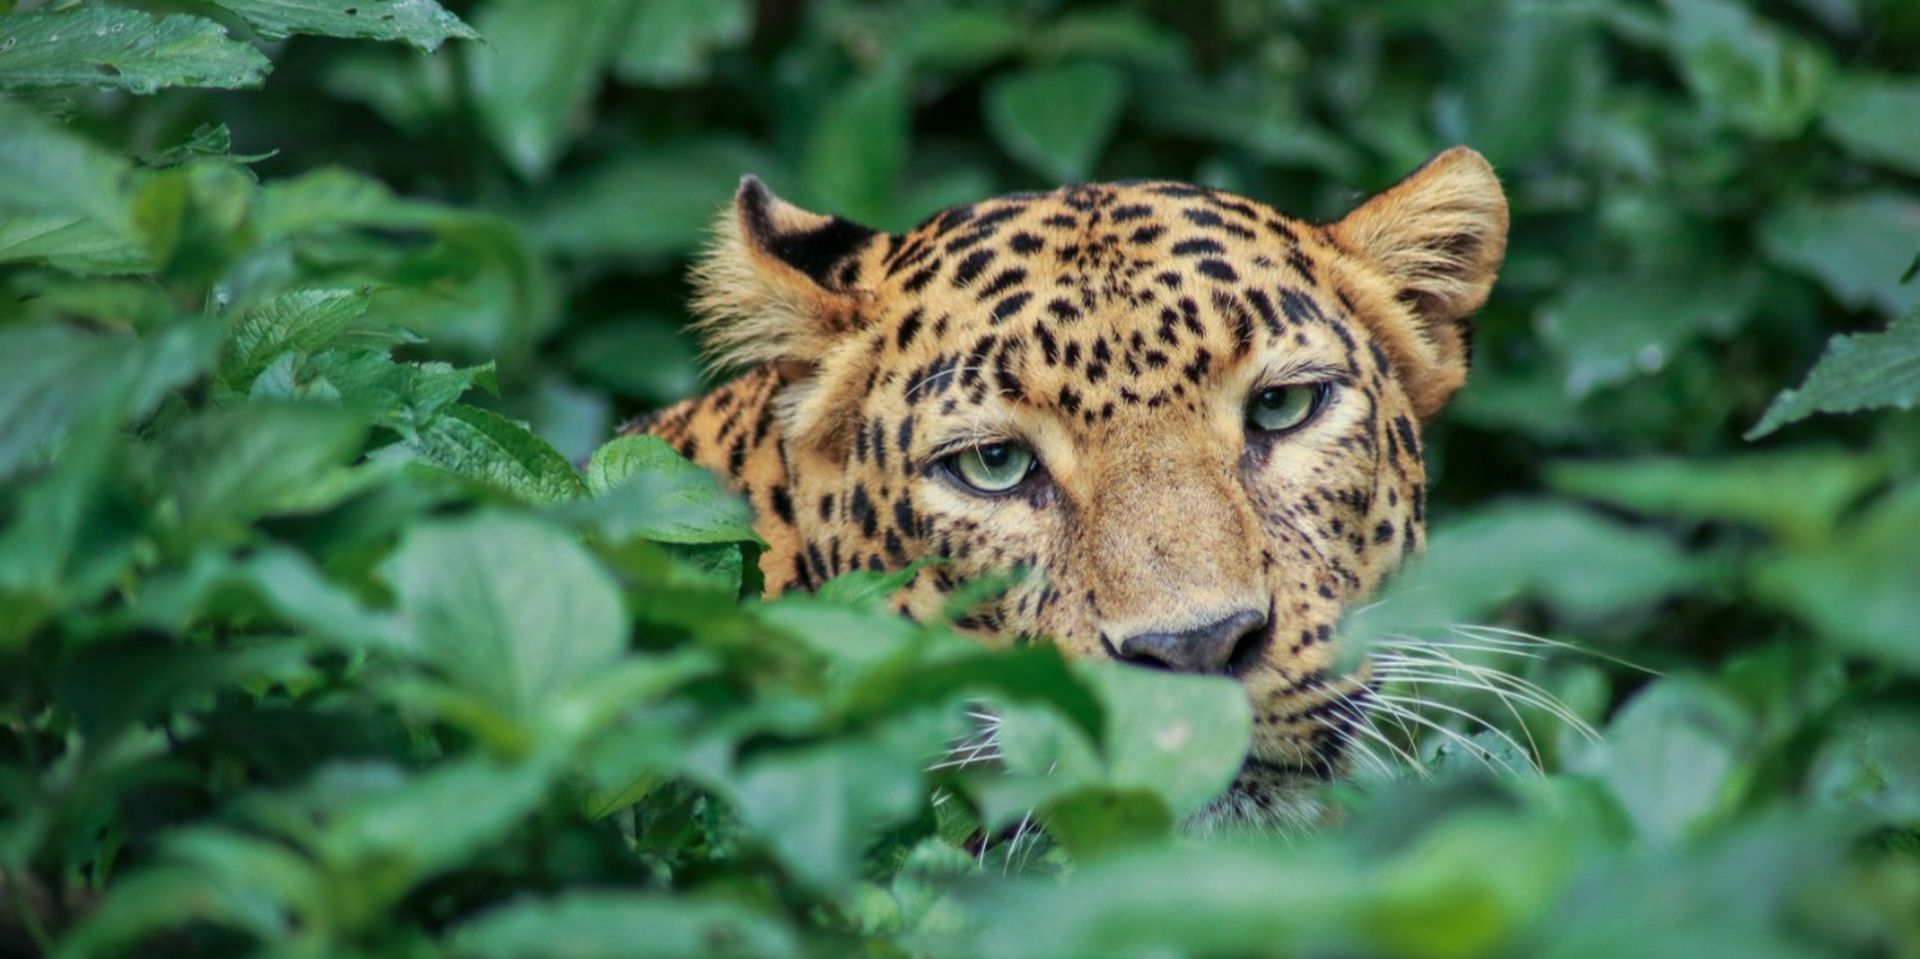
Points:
x=301 y=321
x=1674 y=757
x=657 y=202
x=1858 y=246
x=47 y=170
x=224 y=468
x=1797 y=493
x=618 y=925
x=423 y=24
x=669 y=42
x=1585 y=566
x=494 y=450
x=1058 y=119
x=52 y=378
x=1610 y=329
x=643 y=487
x=534 y=78
x=508 y=609
x=1870 y=115
x=1858 y=372
x=1527 y=74
x=1872 y=762
x=1759 y=77
x=642 y=359
x=120 y=49
x=816 y=807
x=1857 y=587
x=333 y=197
x=1096 y=822
x=858 y=145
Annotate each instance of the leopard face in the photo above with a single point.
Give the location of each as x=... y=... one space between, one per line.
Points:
x=1192 y=421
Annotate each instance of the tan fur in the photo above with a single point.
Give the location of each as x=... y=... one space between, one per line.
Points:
x=1118 y=331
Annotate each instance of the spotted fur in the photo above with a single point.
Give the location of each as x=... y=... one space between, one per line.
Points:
x=1117 y=330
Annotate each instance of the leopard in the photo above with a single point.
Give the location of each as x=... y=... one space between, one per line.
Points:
x=1193 y=421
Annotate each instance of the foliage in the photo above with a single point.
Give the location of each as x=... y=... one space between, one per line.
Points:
x=318 y=639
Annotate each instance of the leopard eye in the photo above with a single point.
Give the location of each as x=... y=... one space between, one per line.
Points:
x=993 y=467
x=1278 y=409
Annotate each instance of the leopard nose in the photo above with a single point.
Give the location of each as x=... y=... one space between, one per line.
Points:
x=1226 y=645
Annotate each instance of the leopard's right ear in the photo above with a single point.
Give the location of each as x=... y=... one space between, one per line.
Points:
x=780 y=284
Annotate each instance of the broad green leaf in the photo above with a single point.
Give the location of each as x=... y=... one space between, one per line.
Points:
x=69 y=243
x=653 y=202
x=620 y=925
x=816 y=807
x=508 y=609
x=642 y=487
x=52 y=378
x=116 y=48
x=1610 y=329
x=1797 y=493
x=1528 y=73
x=1871 y=116
x=333 y=197
x=1858 y=246
x=224 y=468
x=858 y=145
x=534 y=78
x=1114 y=34
x=1872 y=762
x=1584 y=565
x=1857 y=587
x=47 y=170
x=1675 y=757
x=643 y=359
x=401 y=396
x=956 y=38
x=192 y=216
x=669 y=42
x=1096 y=822
x=1858 y=372
x=1056 y=119
x=423 y=24
x=1760 y=77
x=297 y=322
x=492 y=449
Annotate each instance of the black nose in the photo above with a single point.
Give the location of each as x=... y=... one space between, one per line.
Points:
x=1222 y=646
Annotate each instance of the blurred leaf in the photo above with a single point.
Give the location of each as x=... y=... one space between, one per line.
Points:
x=817 y=806
x=606 y=925
x=333 y=197
x=1871 y=116
x=1527 y=73
x=1610 y=329
x=1797 y=493
x=1857 y=587
x=1584 y=565
x=1056 y=120
x=1108 y=34
x=1095 y=822
x=120 y=49
x=508 y=609
x=1872 y=761
x=643 y=487
x=655 y=202
x=423 y=24
x=1760 y=77
x=223 y=468
x=52 y=378
x=956 y=38
x=301 y=321
x=488 y=447
x=669 y=42
x=534 y=77
x=1858 y=246
x=1863 y=371
x=1676 y=757
x=44 y=169
x=858 y=145
x=645 y=359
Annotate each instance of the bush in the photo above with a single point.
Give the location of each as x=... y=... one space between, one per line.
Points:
x=316 y=640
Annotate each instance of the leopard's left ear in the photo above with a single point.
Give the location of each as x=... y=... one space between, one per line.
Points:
x=780 y=284
x=1437 y=237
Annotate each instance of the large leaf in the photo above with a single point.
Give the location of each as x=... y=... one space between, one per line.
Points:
x=424 y=24
x=492 y=449
x=816 y=807
x=510 y=610
x=301 y=321
x=1863 y=371
x=535 y=76
x=615 y=925
x=1872 y=117
x=654 y=202
x=1758 y=76
x=669 y=42
x=858 y=145
x=47 y=170
x=1797 y=493
x=1858 y=246
x=1674 y=757
x=97 y=45
x=1609 y=329
x=1056 y=119
x=643 y=487
x=224 y=468
x=1857 y=588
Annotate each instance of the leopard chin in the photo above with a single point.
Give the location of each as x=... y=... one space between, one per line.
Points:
x=1265 y=798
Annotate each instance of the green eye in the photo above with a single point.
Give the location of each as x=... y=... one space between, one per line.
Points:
x=993 y=468
x=1277 y=409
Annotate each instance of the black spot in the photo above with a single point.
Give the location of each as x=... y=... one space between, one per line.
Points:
x=1384 y=532
x=1148 y=234
x=971 y=267
x=1264 y=306
x=1197 y=247
x=783 y=505
x=863 y=513
x=826 y=507
x=1026 y=243
x=1062 y=310
x=1007 y=279
x=1069 y=400
x=1219 y=270
x=909 y=326
x=921 y=277
x=1006 y=308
